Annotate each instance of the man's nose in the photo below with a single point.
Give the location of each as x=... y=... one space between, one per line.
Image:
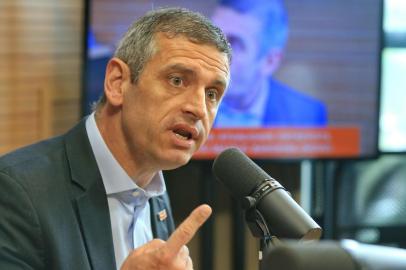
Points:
x=195 y=104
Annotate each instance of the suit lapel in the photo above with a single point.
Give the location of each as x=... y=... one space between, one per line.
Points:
x=161 y=217
x=90 y=199
x=95 y=224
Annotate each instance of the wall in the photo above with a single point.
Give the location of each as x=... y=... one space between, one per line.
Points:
x=40 y=69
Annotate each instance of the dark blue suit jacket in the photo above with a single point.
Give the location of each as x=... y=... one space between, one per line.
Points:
x=53 y=207
x=288 y=107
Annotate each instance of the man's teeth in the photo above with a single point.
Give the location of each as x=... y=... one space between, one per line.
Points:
x=181 y=136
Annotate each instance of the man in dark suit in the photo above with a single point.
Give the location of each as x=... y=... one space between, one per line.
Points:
x=257 y=32
x=94 y=198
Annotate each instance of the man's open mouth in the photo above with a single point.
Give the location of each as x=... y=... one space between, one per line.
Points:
x=183 y=134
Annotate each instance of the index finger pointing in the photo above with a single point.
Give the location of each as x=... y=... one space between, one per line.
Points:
x=185 y=232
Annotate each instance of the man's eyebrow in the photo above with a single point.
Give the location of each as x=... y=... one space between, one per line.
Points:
x=221 y=83
x=184 y=69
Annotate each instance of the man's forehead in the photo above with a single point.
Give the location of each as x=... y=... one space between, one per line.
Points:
x=180 y=45
x=163 y=38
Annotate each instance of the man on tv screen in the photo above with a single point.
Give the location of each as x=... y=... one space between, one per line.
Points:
x=257 y=32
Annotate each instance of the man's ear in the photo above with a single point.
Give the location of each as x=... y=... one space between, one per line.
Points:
x=271 y=61
x=117 y=80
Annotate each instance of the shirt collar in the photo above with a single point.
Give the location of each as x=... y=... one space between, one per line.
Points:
x=115 y=178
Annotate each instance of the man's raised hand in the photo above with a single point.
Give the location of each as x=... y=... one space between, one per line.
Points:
x=172 y=254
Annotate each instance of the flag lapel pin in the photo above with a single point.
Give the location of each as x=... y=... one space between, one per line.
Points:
x=162 y=215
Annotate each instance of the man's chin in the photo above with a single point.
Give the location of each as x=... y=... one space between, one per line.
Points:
x=177 y=160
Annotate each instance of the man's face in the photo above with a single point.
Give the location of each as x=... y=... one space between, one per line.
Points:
x=168 y=113
x=243 y=32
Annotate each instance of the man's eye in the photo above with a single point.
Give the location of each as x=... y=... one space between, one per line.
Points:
x=212 y=94
x=176 y=81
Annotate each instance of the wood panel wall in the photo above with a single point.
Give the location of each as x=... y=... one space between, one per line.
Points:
x=40 y=69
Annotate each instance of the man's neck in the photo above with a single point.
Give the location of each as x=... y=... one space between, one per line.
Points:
x=252 y=102
x=249 y=99
x=113 y=136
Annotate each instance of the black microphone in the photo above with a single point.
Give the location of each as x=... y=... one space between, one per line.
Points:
x=248 y=182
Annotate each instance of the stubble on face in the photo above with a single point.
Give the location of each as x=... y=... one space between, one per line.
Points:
x=156 y=112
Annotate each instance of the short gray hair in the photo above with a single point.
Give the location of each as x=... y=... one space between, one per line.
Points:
x=138 y=44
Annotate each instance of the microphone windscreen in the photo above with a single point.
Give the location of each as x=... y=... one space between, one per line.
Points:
x=238 y=172
x=283 y=216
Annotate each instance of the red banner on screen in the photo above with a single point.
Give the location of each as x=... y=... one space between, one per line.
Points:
x=330 y=142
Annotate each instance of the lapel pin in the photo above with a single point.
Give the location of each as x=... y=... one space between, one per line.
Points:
x=162 y=215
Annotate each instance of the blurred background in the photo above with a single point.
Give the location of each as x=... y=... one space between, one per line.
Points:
x=53 y=55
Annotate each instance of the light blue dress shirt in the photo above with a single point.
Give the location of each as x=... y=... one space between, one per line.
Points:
x=128 y=204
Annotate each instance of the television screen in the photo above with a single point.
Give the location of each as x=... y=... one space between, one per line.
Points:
x=392 y=135
x=304 y=74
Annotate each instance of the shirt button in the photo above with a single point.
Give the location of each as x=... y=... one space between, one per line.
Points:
x=136 y=193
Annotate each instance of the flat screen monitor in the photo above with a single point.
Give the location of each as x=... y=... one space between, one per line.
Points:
x=305 y=75
x=392 y=135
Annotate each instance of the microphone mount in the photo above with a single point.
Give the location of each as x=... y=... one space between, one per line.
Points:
x=254 y=218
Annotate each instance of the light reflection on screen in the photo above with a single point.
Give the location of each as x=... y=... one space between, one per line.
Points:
x=393 y=102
